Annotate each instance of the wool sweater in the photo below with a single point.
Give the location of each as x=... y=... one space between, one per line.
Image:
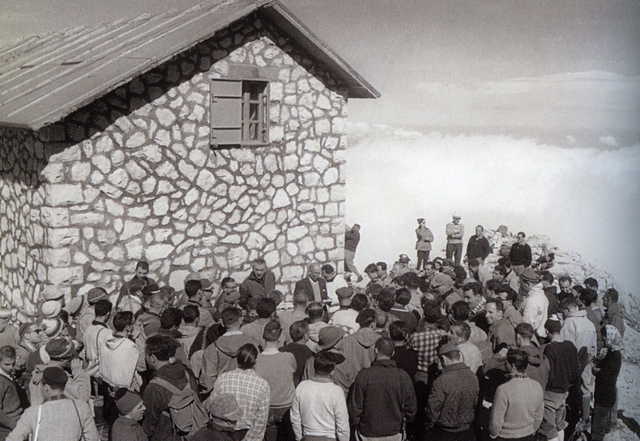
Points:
x=278 y=369
x=320 y=409
x=564 y=368
x=518 y=408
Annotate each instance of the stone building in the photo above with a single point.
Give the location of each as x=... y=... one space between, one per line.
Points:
x=197 y=140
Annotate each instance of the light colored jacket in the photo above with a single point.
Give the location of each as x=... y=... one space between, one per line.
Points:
x=580 y=331
x=534 y=310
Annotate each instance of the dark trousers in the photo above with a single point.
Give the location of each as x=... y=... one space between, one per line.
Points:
x=601 y=422
x=531 y=437
x=438 y=434
x=454 y=248
x=279 y=425
x=423 y=258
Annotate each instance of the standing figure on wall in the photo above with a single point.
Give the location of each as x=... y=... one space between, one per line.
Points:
x=351 y=241
x=423 y=245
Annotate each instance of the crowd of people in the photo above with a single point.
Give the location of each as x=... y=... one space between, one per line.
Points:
x=439 y=352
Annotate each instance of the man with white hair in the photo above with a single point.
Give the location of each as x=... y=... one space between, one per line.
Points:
x=455 y=233
x=314 y=286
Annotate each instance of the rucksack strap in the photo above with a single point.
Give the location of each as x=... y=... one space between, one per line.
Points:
x=170 y=387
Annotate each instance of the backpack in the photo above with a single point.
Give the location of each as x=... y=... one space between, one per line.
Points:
x=185 y=409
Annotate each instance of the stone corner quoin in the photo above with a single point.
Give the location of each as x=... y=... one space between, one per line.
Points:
x=133 y=176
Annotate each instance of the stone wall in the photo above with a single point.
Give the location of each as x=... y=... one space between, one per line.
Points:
x=21 y=231
x=132 y=176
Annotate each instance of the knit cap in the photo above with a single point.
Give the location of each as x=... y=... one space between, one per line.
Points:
x=60 y=349
x=224 y=407
x=127 y=400
x=55 y=376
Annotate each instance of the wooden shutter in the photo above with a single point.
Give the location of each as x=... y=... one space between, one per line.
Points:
x=226 y=112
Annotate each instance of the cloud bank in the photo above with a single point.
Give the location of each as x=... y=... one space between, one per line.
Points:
x=585 y=199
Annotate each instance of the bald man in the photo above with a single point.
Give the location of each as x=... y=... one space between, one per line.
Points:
x=314 y=286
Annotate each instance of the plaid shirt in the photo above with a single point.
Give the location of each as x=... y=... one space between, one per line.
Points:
x=426 y=344
x=252 y=393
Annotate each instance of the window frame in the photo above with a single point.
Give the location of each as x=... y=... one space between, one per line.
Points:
x=244 y=120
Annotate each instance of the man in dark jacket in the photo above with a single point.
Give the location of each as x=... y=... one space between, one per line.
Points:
x=453 y=398
x=314 y=285
x=383 y=397
x=257 y=285
x=157 y=423
x=520 y=254
x=478 y=245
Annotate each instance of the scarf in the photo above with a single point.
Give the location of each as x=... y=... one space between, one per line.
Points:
x=613 y=339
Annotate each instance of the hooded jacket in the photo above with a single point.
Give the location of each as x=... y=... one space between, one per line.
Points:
x=157 y=422
x=119 y=358
x=359 y=347
x=538 y=368
x=78 y=386
x=188 y=335
x=220 y=357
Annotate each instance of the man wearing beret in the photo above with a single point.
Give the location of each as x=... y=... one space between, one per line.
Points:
x=58 y=417
x=61 y=353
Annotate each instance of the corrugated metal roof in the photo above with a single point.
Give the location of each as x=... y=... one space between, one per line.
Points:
x=45 y=78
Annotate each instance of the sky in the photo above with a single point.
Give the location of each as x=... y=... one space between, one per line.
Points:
x=527 y=111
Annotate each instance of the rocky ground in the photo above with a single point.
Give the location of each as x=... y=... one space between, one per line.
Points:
x=571 y=263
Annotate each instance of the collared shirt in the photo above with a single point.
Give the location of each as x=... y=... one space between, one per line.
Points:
x=455 y=233
x=479 y=307
x=252 y=393
x=426 y=344
x=317 y=296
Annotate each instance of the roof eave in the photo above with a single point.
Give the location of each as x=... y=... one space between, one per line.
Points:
x=357 y=85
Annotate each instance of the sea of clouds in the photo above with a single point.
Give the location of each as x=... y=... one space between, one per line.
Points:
x=585 y=199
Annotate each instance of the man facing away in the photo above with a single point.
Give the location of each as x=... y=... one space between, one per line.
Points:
x=351 y=241
x=319 y=409
x=453 y=398
x=580 y=331
x=455 y=233
x=221 y=356
x=58 y=417
x=383 y=397
x=257 y=285
x=518 y=407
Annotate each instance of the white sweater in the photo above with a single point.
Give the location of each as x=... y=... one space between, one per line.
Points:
x=320 y=409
